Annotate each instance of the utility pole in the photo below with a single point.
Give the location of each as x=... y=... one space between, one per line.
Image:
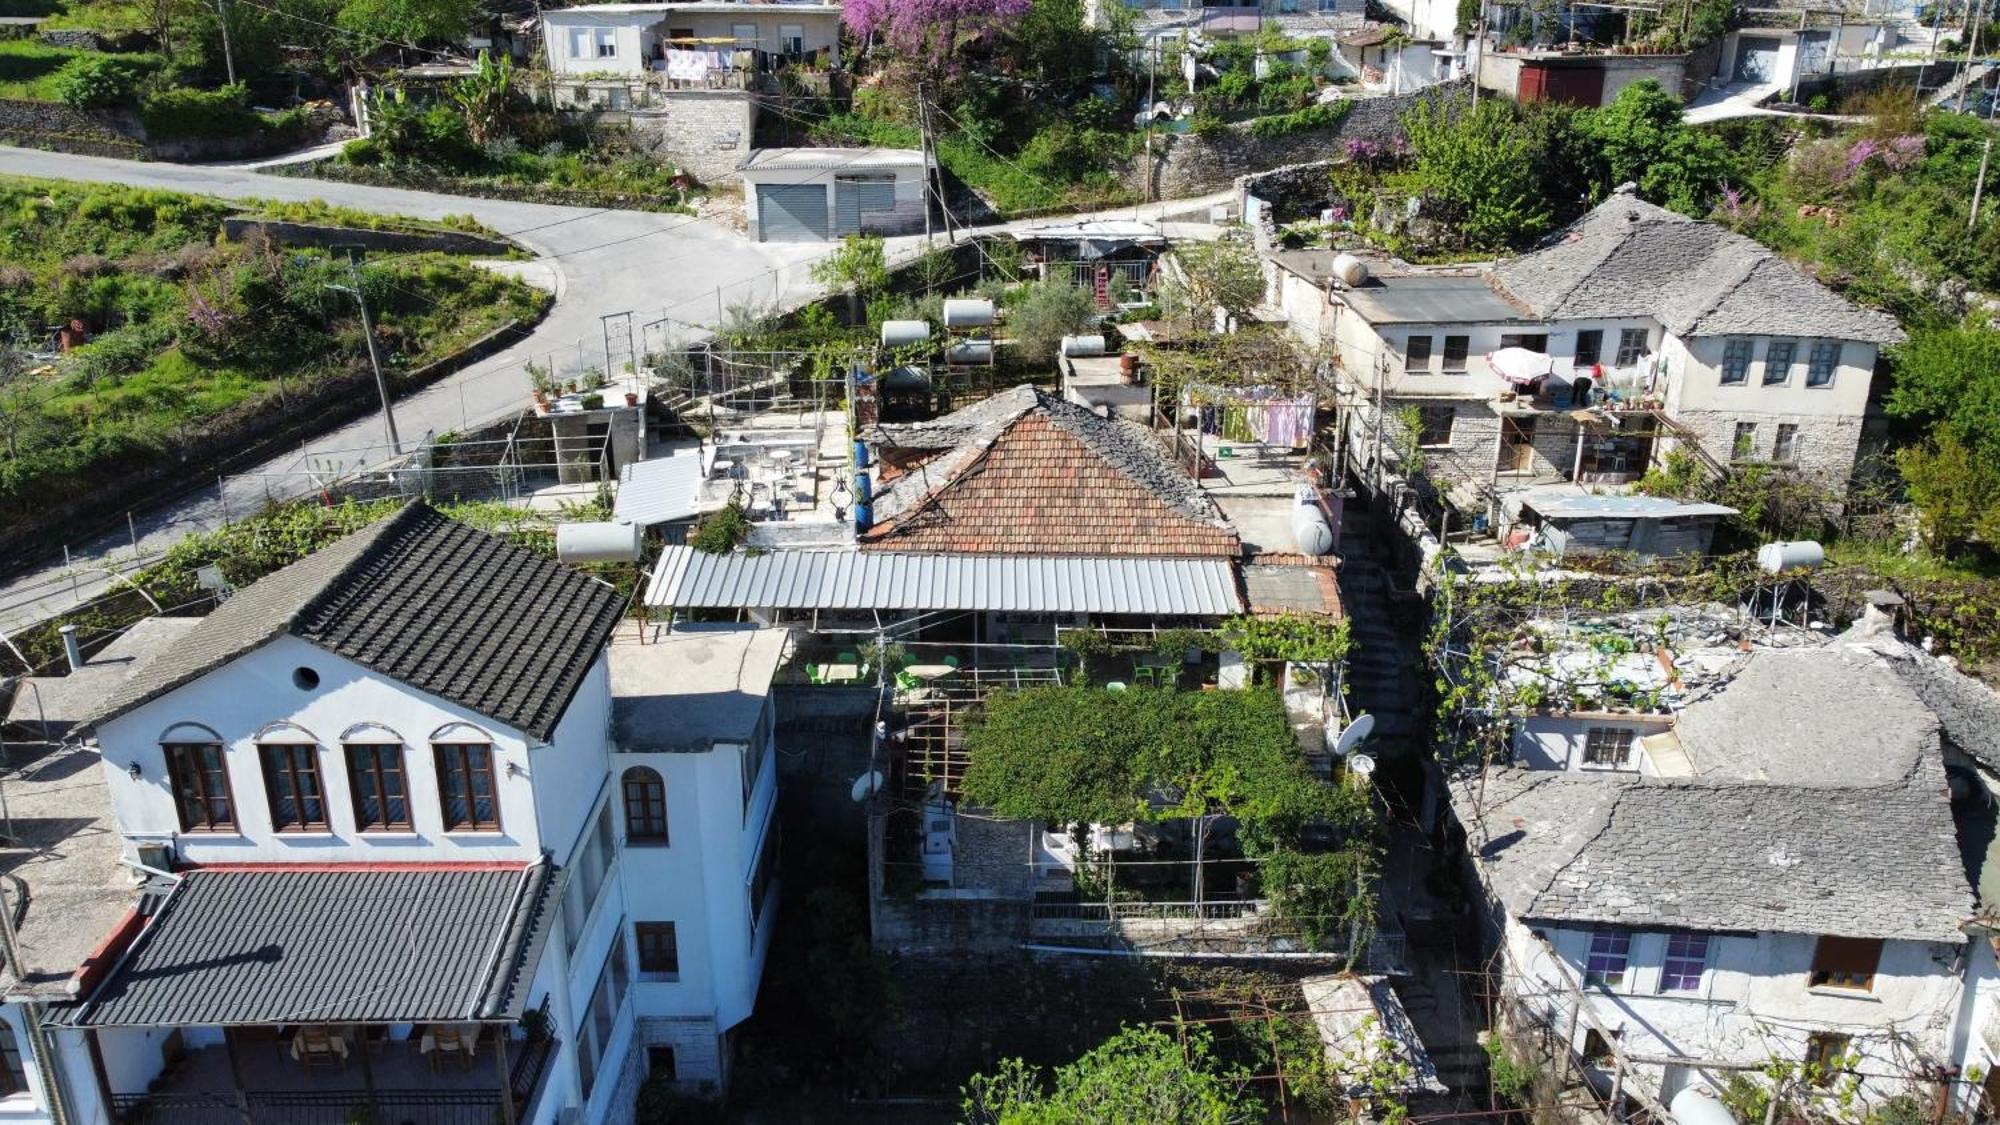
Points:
x=1971 y=40
x=924 y=131
x=228 y=56
x=374 y=346
x=1476 y=51
x=1152 y=72
x=1979 y=186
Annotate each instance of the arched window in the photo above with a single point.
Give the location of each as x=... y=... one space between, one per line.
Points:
x=645 y=806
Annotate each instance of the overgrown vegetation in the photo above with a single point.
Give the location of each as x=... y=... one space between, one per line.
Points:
x=185 y=331
x=1077 y=755
x=1141 y=1076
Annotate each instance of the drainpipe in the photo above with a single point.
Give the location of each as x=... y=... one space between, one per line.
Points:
x=71 y=648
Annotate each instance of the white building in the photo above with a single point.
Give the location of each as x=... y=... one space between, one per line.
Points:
x=806 y=194
x=1765 y=869
x=394 y=863
x=1635 y=330
x=689 y=75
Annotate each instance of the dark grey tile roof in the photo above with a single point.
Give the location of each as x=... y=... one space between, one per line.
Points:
x=1876 y=862
x=422 y=599
x=339 y=944
x=1628 y=258
x=1967 y=711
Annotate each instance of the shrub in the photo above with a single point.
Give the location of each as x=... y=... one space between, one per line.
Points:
x=362 y=151
x=101 y=81
x=1300 y=121
x=1049 y=311
x=187 y=112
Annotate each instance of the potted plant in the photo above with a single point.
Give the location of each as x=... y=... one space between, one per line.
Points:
x=631 y=398
x=593 y=401
x=535 y=1025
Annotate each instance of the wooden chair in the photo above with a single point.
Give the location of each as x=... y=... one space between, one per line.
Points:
x=448 y=1040
x=315 y=1046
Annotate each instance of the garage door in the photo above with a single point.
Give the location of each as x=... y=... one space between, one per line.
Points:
x=855 y=196
x=791 y=212
x=1756 y=59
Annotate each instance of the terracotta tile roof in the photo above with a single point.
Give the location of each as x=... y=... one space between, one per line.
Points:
x=1051 y=479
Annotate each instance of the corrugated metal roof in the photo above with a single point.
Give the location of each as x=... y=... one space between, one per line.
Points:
x=1621 y=507
x=661 y=490
x=844 y=580
x=334 y=945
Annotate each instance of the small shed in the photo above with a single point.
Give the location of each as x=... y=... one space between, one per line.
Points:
x=1567 y=521
x=813 y=194
x=662 y=494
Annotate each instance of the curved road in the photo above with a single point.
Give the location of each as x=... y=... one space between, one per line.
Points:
x=599 y=262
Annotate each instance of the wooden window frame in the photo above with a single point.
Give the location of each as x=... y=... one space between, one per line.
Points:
x=1822 y=1049
x=1412 y=362
x=1630 y=353
x=1785 y=444
x=293 y=770
x=178 y=776
x=646 y=812
x=1737 y=353
x=1456 y=351
x=1829 y=351
x=454 y=760
x=1605 y=978
x=1790 y=350
x=1425 y=430
x=647 y=939
x=1743 y=442
x=1591 y=356
x=1591 y=747
x=1837 y=962
x=1676 y=965
x=373 y=768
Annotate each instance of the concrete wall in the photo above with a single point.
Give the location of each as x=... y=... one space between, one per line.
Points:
x=1500 y=71
x=907 y=216
x=1556 y=742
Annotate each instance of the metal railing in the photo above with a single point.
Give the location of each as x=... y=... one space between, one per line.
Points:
x=1222 y=910
x=325 y=1107
x=1135 y=275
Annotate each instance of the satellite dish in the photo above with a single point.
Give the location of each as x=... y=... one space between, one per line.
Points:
x=1356 y=733
x=866 y=786
x=1361 y=765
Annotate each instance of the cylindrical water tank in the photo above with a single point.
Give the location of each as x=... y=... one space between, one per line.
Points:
x=968 y=312
x=860 y=454
x=901 y=333
x=597 y=542
x=1349 y=270
x=969 y=351
x=1773 y=558
x=1311 y=531
x=1698 y=1105
x=864 y=516
x=864 y=489
x=1082 y=345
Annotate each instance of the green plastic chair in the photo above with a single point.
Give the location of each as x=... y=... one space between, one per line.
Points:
x=1143 y=676
x=815 y=674
x=907 y=682
x=950 y=660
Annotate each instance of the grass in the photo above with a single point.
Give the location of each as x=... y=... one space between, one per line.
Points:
x=28 y=68
x=187 y=328
x=1892 y=561
x=1005 y=184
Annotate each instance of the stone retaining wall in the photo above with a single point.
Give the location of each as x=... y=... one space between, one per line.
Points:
x=1188 y=165
x=706 y=132
x=33 y=124
x=394 y=241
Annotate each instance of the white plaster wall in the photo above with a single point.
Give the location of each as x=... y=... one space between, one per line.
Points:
x=909 y=186
x=1556 y=742
x=252 y=693
x=567 y=777
x=638 y=31
x=633 y=41
x=1695 y=370
x=1755 y=1002
x=30 y=1104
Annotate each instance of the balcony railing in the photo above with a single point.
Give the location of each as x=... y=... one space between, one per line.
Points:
x=1221 y=910
x=329 y=1107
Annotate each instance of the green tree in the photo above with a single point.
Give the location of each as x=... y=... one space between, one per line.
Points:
x=857 y=269
x=409 y=21
x=1141 y=1076
x=1947 y=380
x=1044 y=314
x=1642 y=138
x=1957 y=493
x=482 y=97
x=1212 y=275
x=100 y=81
x=1476 y=170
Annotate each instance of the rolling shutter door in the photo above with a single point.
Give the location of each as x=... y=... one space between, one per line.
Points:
x=855 y=196
x=791 y=212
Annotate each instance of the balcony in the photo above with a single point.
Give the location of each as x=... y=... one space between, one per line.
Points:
x=410 y=1087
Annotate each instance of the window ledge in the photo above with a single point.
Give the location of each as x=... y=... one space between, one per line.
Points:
x=475 y=834
x=312 y=834
x=391 y=834
x=211 y=835
x=1843 y=993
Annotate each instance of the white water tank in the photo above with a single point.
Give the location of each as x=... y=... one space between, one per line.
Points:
x=1775 y=558
x=898 y=333
x=597 y=542
x=969 y=351
x=1349 y=270
x=1082 y=345
x=1698 y=1105
x=968 y=312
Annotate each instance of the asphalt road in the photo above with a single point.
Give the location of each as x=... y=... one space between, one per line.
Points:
x=598 y=262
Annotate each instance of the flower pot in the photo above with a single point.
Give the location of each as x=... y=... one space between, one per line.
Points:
x=631 y=398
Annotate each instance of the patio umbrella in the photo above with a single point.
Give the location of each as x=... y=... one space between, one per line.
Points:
x=1519 y=365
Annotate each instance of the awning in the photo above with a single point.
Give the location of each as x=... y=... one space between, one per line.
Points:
x=658 y=491
x=334 y=943
x=893 y=581
x=1519 y=365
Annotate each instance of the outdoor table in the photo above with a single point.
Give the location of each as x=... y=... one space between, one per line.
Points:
x=841 y=673
x=930 y=671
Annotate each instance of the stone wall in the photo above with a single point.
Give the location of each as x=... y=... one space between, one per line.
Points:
x=1825 y=449
x=946 y=922
x=1840 y=87
x=394 y=241
x=706 y=132
x=83 y=40
x=1188 y=165
x=52 y=125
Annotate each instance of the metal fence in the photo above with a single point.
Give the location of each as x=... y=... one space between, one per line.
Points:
x=1225 y=910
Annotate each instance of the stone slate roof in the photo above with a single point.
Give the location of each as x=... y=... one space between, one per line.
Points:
x=380 y=943
x=1966 y=710
x=1875 y=862
x=1028 y=473
x=1628 y=258
x=1818 y=806
x=419 y=598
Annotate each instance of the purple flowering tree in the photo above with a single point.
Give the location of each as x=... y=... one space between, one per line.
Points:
x=928 y=31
